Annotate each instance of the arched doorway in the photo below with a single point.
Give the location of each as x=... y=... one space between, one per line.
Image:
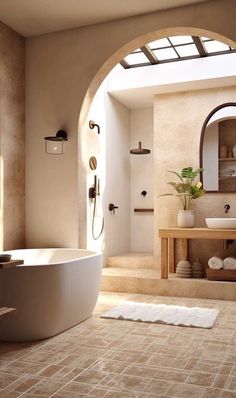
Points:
x=97 y=81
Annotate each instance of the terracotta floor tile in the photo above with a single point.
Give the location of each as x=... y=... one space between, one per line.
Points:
x=201 y=378
x=125 y=394
x=128 y=382
x=209 y=366
x=109 y=366
x=50 y=370
x=220 y=381
x=73 y=390
x=158 y=387
x=9 y=394
x=185 y=391
x=23 y=384
x=22 y=368
x=6 y=379
x=227 y=394
x=91 y=376
x=157 y=373
x=226 y=368
x=45 y=388
x=109 y=358
x=231 y=384
x=161 y=360
x=212 y=393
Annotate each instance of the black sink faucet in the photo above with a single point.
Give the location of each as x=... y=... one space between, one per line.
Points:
x=227 y=208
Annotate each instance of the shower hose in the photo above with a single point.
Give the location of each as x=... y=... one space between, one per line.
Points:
x=95 y=237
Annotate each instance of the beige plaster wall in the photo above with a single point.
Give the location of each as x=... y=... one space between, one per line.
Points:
x=12 y=207
x=117 y=179
x=141 y=179
x=111 y=148
x=178 y=119
x=63 y=67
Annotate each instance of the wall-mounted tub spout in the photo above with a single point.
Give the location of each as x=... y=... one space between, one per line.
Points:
x=92 y=124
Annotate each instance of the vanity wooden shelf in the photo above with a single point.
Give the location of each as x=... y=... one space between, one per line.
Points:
x=143 y=210
x=168 y=236
x=221 y=275
x=227 y=159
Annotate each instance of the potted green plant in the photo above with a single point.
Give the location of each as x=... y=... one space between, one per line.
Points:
x=187 y=190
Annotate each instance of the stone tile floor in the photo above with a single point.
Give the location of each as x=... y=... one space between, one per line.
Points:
x=111 y=358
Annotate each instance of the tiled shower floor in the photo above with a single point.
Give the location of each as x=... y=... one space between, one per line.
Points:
x=110 y=358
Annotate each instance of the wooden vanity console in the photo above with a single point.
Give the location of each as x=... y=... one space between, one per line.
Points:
x=168 y=236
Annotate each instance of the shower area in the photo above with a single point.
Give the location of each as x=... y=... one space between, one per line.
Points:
x=124 y=153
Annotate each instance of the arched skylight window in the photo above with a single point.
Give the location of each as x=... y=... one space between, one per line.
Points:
x=175 y=48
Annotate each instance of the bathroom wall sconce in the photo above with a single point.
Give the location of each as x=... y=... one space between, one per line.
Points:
x=54 y=144
x=92 y=124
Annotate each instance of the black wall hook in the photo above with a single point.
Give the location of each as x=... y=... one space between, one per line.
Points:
x=92 y=124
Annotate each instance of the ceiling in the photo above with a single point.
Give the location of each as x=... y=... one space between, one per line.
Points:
x=35 y=17
x=143 y=97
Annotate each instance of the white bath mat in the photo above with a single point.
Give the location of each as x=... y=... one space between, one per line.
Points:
x=162 y=313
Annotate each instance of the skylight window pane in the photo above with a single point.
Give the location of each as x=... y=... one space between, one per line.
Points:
x=180 y=39
x=165 y=53
x=136 y=51
x=215 y=46
x=187 y=51
x=137 y=58
x=159 y=43
x=204 y=38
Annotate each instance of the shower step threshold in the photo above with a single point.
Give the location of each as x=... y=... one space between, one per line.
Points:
x=132 y=260
x=132 y=272
x=148 y=281
x=130 y=280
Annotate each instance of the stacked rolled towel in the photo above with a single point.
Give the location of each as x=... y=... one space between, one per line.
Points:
x=215 y=263
x=229 y=263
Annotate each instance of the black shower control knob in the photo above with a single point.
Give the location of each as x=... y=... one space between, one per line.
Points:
x=112 y=207
x=144 y=193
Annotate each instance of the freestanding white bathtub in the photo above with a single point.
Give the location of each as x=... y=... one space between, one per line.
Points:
x=54 y=290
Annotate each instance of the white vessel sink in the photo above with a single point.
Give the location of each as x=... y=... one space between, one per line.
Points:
x=223 y=222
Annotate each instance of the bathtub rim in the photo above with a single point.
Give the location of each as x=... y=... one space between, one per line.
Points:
x=94 y=254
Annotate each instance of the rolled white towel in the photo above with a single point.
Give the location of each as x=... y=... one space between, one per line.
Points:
x=215 y=263
x=229 y=263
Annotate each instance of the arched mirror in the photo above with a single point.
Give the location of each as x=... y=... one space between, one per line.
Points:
x=218 y=149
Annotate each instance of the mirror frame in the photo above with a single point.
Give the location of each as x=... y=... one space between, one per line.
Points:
x=202 y=140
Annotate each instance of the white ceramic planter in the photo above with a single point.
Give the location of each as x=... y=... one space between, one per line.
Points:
x=186 y=219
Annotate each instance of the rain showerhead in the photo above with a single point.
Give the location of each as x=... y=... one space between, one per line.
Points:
x=140 y=150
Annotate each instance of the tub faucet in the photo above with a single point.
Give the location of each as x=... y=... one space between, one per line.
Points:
x=227 y=208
